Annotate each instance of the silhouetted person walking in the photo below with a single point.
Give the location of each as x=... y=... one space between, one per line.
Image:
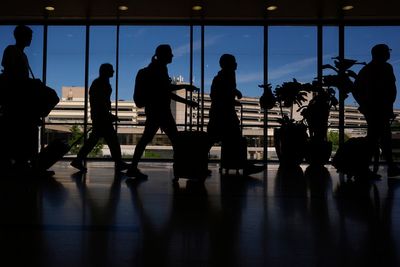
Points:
x=21 y=139
x=155 y=85
x=376 y=85
x=102 y=119
x=224 y=125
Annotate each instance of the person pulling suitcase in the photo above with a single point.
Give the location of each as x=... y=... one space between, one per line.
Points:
x=102 y=120
x=154 y=92
x=224 y=123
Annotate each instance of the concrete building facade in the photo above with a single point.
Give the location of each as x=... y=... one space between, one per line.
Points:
x=70 y=111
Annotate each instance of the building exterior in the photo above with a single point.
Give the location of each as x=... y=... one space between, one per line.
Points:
x=70 y=111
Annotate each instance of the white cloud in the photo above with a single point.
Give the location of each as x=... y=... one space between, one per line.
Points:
x=395 y=62
x=185 y=49
x=286 y=71
x=140 y=32
x=291 y=68
x=250 y=77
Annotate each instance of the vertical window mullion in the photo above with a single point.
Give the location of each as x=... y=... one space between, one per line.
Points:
x=86 y=104
x=342 y=94
x=117 y=76
x=44 y=72
x=265 y=73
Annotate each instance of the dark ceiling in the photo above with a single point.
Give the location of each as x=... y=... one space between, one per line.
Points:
x=214 y=10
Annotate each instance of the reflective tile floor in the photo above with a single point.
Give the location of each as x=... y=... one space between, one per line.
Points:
x=282 y=217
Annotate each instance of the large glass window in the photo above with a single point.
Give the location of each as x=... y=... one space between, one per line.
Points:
x=246 y=44
x=292 y=54
x=137 y=46
x=358 y=44
x=7 y=38
x=66 y=58
x=330 y=51
x=34 y=52
x=360 y=40
x=66 y=74
x=103 y=49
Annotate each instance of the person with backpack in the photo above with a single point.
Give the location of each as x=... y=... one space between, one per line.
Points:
x=102 y=120
x=154 y=91
x=375 y=91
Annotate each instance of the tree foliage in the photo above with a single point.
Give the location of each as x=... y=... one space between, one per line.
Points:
x=333 y=136
x=77 y=139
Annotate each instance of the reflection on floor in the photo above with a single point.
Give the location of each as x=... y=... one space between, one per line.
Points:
x=282 y=217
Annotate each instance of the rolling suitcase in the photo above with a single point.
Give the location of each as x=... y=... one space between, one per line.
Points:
x=52 y=153
x=191 y=155
x=55 y=151
x=191 y=150
x=234 y=156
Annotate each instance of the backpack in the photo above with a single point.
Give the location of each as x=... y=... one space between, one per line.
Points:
x=140 y=93
x=360 y=88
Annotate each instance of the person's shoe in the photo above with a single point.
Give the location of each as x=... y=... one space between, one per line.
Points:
x=120 y=166
x=135 y=173
x=78 y=164
x=393 y=171
x=251 y=169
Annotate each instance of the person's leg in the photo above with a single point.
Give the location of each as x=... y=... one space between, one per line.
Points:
x=89 y=144
x=111 y=138
x=168 y=125
x=374 y=131
x=85 y=150
x=34 y=143
x=386 y=144
x=150 y=130
x=24 y=150
x=373 y=136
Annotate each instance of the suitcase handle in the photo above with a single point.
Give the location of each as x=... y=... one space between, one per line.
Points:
x=240 y=105
x=81 y=137
x=189 y=95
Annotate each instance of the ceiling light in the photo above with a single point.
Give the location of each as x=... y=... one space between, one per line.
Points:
x=272 y=7
x=347 y=7
x=197 y=8
x=49 y=8
x=123 y=8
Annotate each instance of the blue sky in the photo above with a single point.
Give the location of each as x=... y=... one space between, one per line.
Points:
x=292 y=52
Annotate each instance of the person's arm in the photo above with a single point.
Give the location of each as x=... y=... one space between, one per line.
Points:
x=6 y=60
x=238 y=94
x=183 y=100
x=190 y=88
x=393 y=89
